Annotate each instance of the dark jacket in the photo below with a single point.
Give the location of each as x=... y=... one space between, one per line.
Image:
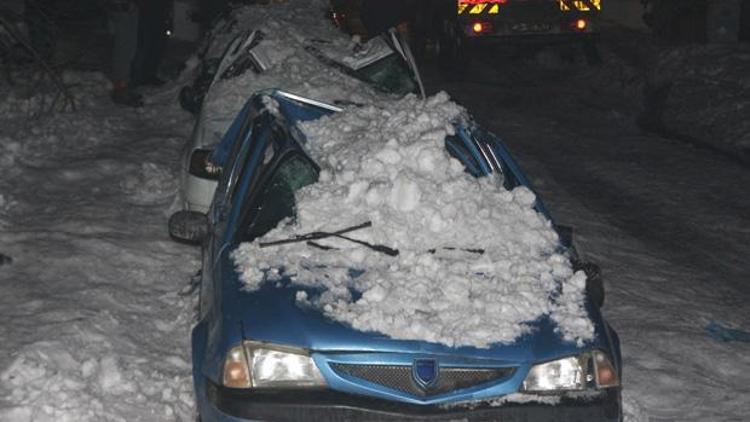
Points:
x=379 y=15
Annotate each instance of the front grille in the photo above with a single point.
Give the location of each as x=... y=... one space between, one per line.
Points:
x=399 y=377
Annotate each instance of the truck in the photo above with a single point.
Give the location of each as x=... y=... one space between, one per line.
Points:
x=465 y=25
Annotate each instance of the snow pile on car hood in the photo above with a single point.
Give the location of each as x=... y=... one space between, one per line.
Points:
x=387 y=164
x=288 y=29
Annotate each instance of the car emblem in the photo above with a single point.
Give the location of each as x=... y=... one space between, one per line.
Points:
x=425 y=372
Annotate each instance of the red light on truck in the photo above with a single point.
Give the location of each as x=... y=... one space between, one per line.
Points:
x=479 y=28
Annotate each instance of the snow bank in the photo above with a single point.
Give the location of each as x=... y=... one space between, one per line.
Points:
x=387 y=164
x=702 y=93
x=32 y=95
x=93 y=328
x=50 y=383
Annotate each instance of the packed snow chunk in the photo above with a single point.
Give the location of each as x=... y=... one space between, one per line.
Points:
x=387 y=164
x=405 y=194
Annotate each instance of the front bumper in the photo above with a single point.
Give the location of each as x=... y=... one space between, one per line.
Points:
x=533 y=39
x=325 y=405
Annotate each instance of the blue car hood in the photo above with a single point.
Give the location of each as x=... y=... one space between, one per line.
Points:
x=271 y=314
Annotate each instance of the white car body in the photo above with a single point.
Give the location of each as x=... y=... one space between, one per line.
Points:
x=197 y=192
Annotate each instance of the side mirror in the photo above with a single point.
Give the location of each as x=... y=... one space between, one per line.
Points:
x=594 y=282
x=188 y=227
x=566 y=235
x=201 y=165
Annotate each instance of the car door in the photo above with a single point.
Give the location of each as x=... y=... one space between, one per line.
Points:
x=241 y=156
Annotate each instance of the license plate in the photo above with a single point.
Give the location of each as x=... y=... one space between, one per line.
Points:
x=531 y=27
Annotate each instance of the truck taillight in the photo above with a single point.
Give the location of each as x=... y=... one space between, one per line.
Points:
x=481 y=27
x=482 y=2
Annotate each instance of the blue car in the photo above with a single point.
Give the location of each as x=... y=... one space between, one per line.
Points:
x=257 y=355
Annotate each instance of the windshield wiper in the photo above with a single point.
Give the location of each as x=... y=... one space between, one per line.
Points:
x=311 y=237
x=450 y=248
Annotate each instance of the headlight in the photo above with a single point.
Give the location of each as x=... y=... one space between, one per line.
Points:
x=259 y=365
x=588 y=370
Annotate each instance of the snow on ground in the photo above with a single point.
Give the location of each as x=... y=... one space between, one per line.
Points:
x=94 y=331
x=387 y=164
x=93 y=328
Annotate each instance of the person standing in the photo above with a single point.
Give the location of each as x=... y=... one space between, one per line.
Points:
x=153 y=23
x=123 y=16
x=380 y=15
x=210 y=10
x=744 y=35
x=40 y=19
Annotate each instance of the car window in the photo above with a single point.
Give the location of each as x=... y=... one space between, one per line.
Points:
x=236 y=155
x=276 y=199
x=260 y=133
x=388 y=74
x=458 y=150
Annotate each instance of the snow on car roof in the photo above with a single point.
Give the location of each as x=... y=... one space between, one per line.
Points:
x=387 y=163
x=288 y=28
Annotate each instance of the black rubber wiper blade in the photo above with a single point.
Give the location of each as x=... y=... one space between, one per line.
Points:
x=377 y=248
x=450 y=248
x=311 y=237
x=315 y=235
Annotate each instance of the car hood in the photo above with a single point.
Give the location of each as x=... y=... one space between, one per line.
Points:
x=272 y=314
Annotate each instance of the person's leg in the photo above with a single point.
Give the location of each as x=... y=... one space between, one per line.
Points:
x=744 y=35
x=125 y=25
x=40 y=22
x=379 y=15
x=158 y=41
x=151 y=42
x=212 y=9
x=137 y=71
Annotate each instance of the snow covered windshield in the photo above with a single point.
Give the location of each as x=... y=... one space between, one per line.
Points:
x=387 y=164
